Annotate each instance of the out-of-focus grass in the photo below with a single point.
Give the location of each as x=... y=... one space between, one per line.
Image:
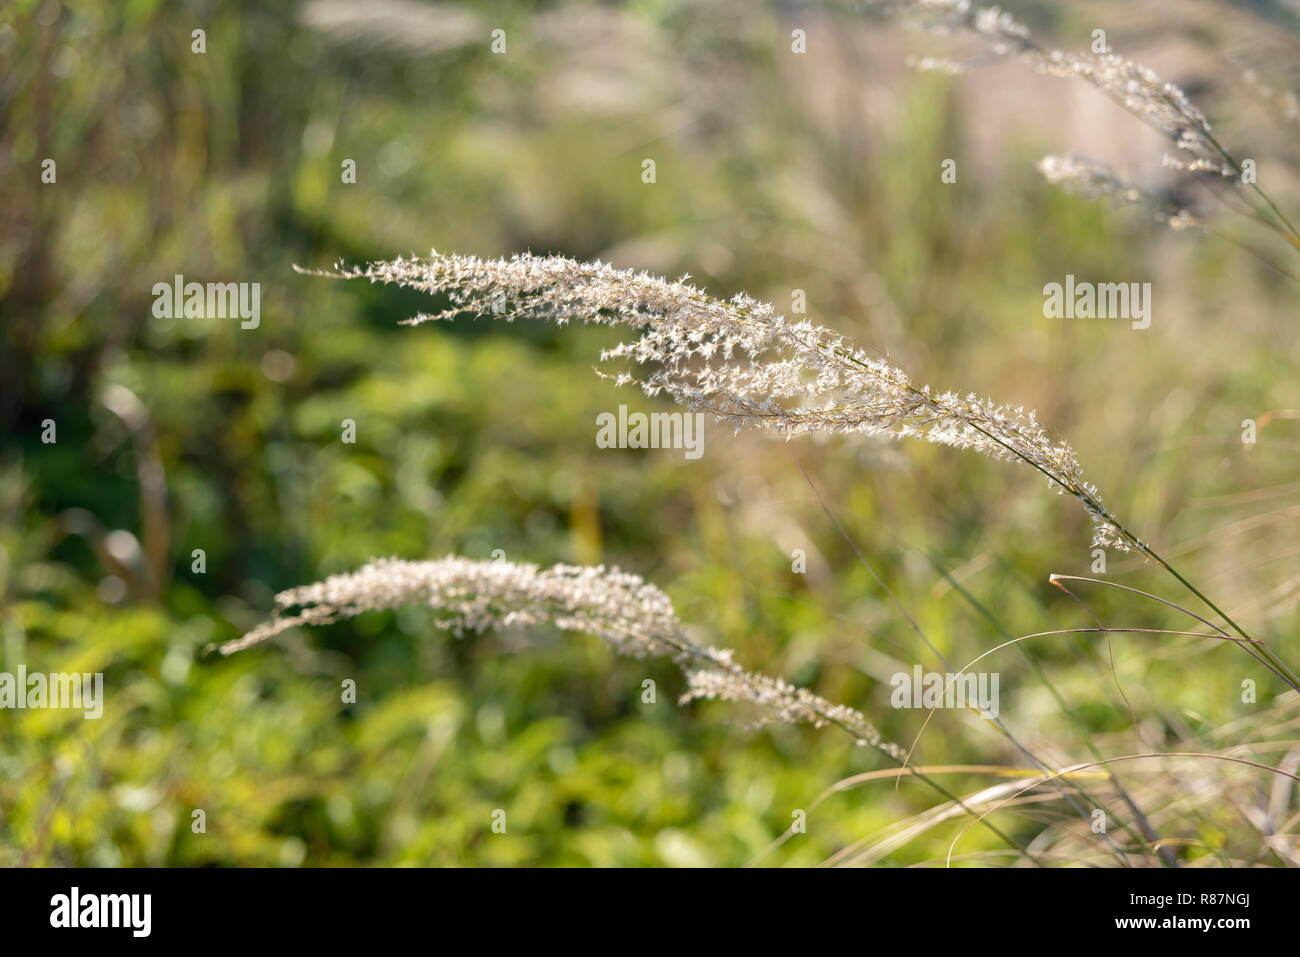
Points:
x=473 y=437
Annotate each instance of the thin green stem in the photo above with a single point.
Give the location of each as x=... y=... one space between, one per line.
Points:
x=1266 y=655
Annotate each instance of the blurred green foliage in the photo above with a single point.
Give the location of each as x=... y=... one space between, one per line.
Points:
x=176 y=435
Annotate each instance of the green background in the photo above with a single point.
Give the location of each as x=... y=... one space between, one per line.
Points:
x=774 y=172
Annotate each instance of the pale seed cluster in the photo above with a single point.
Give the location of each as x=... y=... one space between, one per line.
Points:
x=632 y=616
x=740 y=360
x=1096 y=181
x=785 y=702
x=1162 y=105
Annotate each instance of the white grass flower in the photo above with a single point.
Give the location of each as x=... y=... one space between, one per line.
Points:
x=1163 y=106
x=743 y=362
x=1196 y=166
x=1087 y=178
x=1096 y=181
x=784 y=702
x=474 y=595
x=634 y=617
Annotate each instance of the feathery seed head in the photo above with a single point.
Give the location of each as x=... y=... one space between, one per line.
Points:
x=1096 y=181
x=739 y=360
x=633 y=616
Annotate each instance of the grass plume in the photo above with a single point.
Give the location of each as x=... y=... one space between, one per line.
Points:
x=743 y=362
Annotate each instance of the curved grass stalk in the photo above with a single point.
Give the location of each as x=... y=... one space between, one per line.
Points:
x=747 y=365
x=634 y=617
x=1160 y=105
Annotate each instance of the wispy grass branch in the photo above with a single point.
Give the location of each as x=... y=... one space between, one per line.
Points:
x=634 y=617
x=748 y=366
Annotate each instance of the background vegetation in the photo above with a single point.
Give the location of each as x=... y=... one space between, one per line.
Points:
x=775 y=172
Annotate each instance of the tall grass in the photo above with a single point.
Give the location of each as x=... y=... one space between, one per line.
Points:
x=749 y=367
